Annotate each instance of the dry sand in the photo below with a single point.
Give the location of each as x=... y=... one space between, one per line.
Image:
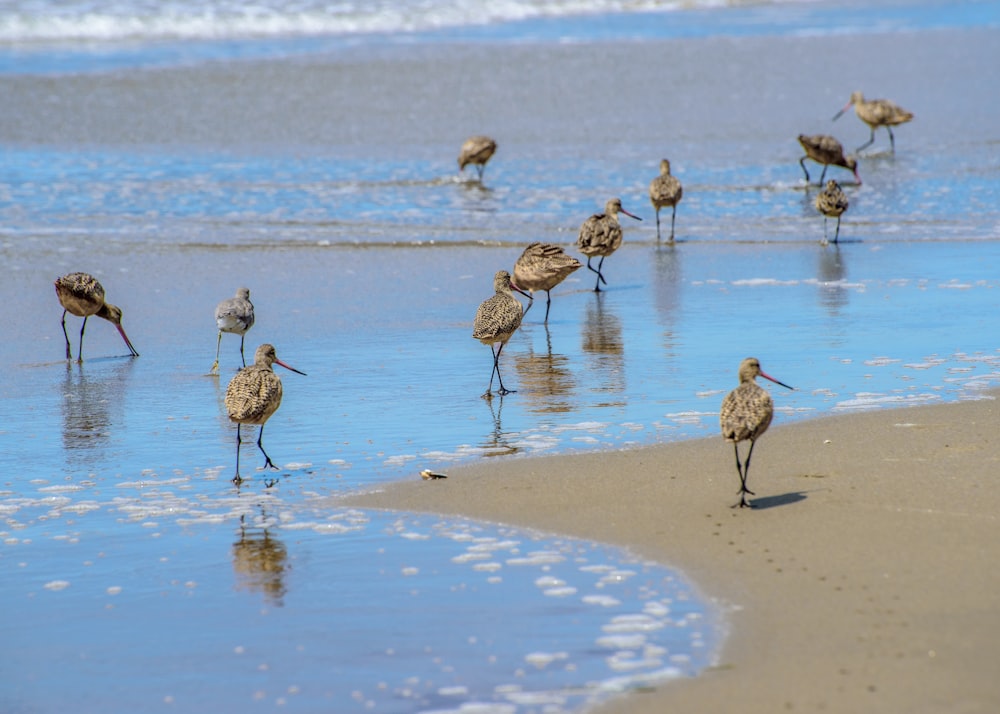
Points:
x=865 y=578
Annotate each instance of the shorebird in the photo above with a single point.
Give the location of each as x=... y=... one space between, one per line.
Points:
x=665 y=190
x=542 y=266
x=235 y=316
x=601 y=235
x=253 y=395
x=831 y=202
x=876 y=113
x=496 y=320
x=476 y=150
x=824 y=149
x=82 y=295
x=745 y=415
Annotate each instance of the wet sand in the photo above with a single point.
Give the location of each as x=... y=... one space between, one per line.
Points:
x=863 y=579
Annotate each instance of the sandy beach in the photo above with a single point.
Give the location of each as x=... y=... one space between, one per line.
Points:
x=863 y=579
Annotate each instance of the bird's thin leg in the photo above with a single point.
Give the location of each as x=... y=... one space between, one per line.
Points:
x=892 y=139
x=237 y=479
x=242 y=355
x=503 y=390
x=600 y=276
x=802 y=163
x=69 y=350
x=824 y=229
x=823 y=175
x=531 y=301
x=871 y=140
x=548 y=304
x=480 y=168
x=79 y=350
x=837 y=234
x=746 y=475
x=218 y=345
x=657 y=224
x=488 y=394
x=673 y=218
x=597 y=270
x=739 y=470
x=267 y=459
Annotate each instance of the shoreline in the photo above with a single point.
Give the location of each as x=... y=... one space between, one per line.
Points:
x=863 y=580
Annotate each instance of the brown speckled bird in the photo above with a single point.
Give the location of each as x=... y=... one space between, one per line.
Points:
x=876 y=113
x=496 y=320
x=253 y=395
x=832 y=203
x=234 y=316
x=745 y=415
x=665 y=190
x=825 y=150
x=542 y=266
x=82 y=295
x=601 y=234
x=476 y=150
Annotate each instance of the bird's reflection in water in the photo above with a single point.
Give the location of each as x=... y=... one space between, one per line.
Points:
x=497 y=443
x=92 y=396
x=832 y=271
x=602 y=340
x=546 y=379
x=260 y=560
x=667 y=294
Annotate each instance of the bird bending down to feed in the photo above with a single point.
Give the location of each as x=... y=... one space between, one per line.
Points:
x=253 y=395
x=235 y=316
x=82 y=295
x=745 y=415
x=496 y=320
x=476 y=150
x=825 y=150
x=542 y=266
x=601 y=235
x=832 y=203
x=665 y=190
x=876 y=113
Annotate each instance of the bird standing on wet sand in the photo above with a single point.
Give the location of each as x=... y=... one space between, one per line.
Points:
x=745 y=415
x=831 y=202
x=253 y=395
x=476 y=150
x=235 y=316
x=876 y=113
x=82 y=295
x=542 y=266
x=601 y=234
x=496 y=320
x=665 y=190
x=824 y=149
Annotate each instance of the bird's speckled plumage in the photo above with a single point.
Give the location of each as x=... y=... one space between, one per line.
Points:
x=234 y=316
x=825 y=150
x=601 y=235
x=831 y=202
x=665 y=190
x=876 y=113
x=82 y=295
x=745 y=415
x=496 y=320
x=476 y=150
x=542 y=266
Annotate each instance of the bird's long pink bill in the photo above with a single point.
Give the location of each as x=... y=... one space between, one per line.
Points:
x=631 y=215
x=278 y=361
x=128 y=342
x=767 y=376
x=514 y=287
x=841 y=112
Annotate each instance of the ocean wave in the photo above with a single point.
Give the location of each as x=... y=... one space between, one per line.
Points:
x=48 y=21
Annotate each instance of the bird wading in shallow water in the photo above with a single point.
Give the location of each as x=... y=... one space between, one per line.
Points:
x=496 y=320
x=253 y=395
x=601 y=235
x=82 y=295
x=477 y=150
x=745 y=415
x=825 y=150
x=542 y=266
x=831 y=202
x=876 y=113
x=665 y=190
x=235 y=316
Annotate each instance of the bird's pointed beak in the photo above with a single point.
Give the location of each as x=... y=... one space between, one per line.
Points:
x=841 y=112
x=128 y=342
x=631 y=215
x=769 y=377
x=292 y=369
x=514 y=287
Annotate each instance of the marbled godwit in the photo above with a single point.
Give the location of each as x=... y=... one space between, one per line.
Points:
x=253 y=395
x=542 y=266
x=476 y=150
x=876 y=113
x=82 y=295
x=746 y=413
x=831 y=202
x=496 y=320
x=601 y=235
x=665 y=190
x=235 y=316
x=824 y=149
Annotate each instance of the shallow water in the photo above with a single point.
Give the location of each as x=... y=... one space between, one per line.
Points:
x=119 y=523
